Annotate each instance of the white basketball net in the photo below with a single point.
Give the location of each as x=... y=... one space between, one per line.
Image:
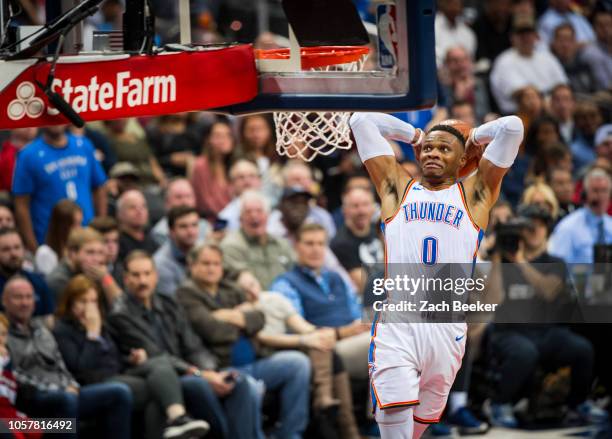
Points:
x=308 y=134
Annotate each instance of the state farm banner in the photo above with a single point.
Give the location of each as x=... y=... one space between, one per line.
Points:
x=99 y=88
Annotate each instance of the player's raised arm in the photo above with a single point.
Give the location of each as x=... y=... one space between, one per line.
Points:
x=504 y=137
x=388 y=176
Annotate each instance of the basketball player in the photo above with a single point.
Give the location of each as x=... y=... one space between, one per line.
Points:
x=413 y=365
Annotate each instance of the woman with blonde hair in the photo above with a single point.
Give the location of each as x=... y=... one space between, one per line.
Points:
x=542 y=195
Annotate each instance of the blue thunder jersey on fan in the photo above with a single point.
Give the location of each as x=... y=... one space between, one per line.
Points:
x=48 y=174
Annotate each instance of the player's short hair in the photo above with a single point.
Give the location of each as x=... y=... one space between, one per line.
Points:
x=449 y=129
x=309 y=227
x=179 y=212
x=137 y=255
x=80 y=237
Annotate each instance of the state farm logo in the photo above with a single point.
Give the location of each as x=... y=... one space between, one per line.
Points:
x=95 y=95
x=26 y=103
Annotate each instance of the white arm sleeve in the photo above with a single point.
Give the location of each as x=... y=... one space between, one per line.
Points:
x=370 y=130
x=505 y=136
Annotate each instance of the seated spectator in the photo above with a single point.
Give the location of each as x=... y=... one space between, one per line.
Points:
x=541 y=195
x=244 y=176
x=109 y=229
x=91 y=356
x=12 y=254
x=18 y=138
x=52 y=390
x=210 y=170
x=530 y=105
x=252 y=248
x=179 y=193
x=461 y=84
x=323 y=298
x=65 y=216
x=174 y=141
x=123 y=177
x=521 y=348
x=562 y=108
x=566 y=48
x=598 y=54
x=523 y=65
x=157 y=324
x=559 y=12
x=561 y=182
x=292 y=213
x=557 y=155
x=363 y=181
x=134 y=149
x=133 y=218
x=603 y=142
x=574 y=237
x=224 y=320
x=65 y=170
x=543 y=132
x=492 y=29
x=8 y=387
x=463 y=111
x=7 y=219
x=297 y=174
x=171 y=258
x=286 y=329
x=86 y=254
x=451 y=30
x=257 y=144
x=588 y=119
x=357 y=243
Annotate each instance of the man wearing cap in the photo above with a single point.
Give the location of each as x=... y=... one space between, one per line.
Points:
x=251 y=247
x=523 y=65
x=534 y=285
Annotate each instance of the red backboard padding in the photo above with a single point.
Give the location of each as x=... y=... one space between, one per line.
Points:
x=140 y=85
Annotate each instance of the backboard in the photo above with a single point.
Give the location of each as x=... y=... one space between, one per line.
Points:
x=399 y=75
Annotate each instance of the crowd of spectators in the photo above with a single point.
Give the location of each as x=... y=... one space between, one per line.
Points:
x=178 y=269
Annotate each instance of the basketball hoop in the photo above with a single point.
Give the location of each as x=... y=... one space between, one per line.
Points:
x=308 y=134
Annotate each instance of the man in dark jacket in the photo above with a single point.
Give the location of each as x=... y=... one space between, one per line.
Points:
x=47 y=388
x=155 y=324
x=226 y=321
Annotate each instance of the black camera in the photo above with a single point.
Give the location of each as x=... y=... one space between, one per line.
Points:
x=508 y=235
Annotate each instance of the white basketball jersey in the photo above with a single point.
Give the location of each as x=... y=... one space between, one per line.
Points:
x=431 y=227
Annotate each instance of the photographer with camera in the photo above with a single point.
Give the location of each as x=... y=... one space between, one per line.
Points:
x=532 y=287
